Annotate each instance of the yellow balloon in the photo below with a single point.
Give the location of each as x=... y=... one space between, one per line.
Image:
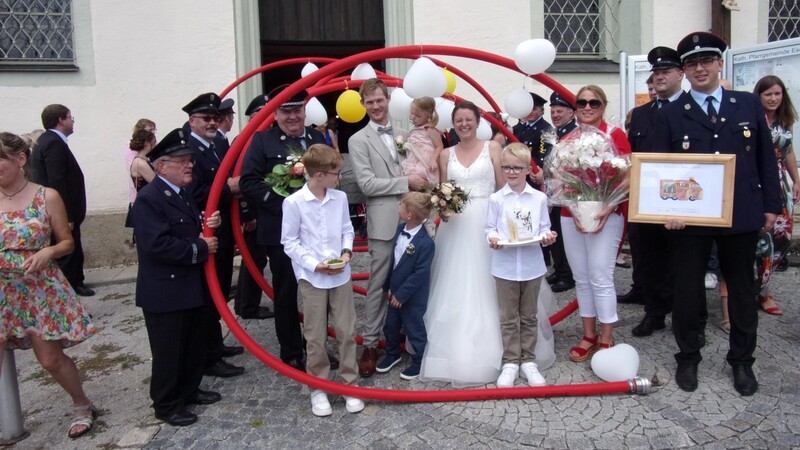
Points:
x=349 y=108
x=451 y=81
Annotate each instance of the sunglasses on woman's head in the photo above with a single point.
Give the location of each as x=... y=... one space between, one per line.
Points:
x=594 y=104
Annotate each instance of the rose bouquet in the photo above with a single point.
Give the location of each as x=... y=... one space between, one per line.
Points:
x=287 y=178
x=448 y=198
x=586 y=173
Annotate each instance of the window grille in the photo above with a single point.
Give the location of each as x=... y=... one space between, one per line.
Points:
x=581 y=28
x=784 y=20
x=36 y=33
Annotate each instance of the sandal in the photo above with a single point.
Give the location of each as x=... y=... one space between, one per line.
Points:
x=725 y=325
x=583 y=353
x=82 y=421
x=774 y=310
x=603 y=345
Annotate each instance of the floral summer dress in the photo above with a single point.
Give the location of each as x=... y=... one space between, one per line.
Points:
x=42 y=303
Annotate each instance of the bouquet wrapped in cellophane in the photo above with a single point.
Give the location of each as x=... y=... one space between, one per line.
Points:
x=585 y=173
x=448 y=198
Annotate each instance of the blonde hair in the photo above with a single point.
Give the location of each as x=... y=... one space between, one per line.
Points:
x=519 y=151
x=321 y=158
x=427 y=104
x=417 y=203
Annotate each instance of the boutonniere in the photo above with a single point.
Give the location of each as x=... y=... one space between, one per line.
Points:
x=401 y=148
x=410 y=249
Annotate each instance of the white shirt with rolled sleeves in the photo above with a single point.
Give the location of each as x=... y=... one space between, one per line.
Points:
x=314 y=231
x=517 y=263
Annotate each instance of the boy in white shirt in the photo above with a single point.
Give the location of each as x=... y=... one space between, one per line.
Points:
x=518 y=213
x=316 y=229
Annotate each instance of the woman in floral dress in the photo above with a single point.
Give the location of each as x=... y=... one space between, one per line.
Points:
x=38 y=308
x=781 y=117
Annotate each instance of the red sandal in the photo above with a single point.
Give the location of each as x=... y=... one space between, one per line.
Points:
x=603 y=345
x=583 y=353
x=774 y=310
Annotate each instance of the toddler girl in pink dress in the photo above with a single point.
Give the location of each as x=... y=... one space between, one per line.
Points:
x=424 y=142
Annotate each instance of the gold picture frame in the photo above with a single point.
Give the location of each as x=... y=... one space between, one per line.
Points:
x=697 y=188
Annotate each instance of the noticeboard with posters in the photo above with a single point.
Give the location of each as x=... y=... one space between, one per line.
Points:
x=745 y=66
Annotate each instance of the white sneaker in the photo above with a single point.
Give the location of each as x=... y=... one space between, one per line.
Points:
x=711 y=281
x=353 y=404
x=320 y=405
x=531 y=372
x=507 y=376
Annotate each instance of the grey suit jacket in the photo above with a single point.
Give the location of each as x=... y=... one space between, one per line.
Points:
x=380 y=179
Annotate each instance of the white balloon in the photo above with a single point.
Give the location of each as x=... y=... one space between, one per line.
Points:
x=534 y=55
x=484 y=131
x=618 y=363
x=444 y=109
x=400 y=105
x=308 y=68
x=519 y=103
x=424 y=79
x=315 y=113
x=363 y=71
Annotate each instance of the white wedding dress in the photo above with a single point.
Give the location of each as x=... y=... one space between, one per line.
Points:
x=463 y=320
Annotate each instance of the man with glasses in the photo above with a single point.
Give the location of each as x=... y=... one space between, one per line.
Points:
x=204 y=119
x=268 y=149
x=650 y=249
x=711 y=120
x=55 y=166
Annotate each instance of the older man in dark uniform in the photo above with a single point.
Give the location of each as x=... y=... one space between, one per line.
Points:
x=55 y=166
x=529 y=131
x=204 y=118
x=267 y=149
x=562 y=113
x=170 y=285
x=650 y=248
x=709 y=119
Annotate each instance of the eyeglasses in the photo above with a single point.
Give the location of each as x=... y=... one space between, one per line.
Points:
x=208 y=119
x=705 y=63
x=181 y=162
x=594 y=103
x=336 y=174
x=512 y=169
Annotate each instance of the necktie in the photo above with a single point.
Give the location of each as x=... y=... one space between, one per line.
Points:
x=662 y=102
x=711 y=111
x=183 y=196
x=213 y=151
x=406 y=234
x=386 y=129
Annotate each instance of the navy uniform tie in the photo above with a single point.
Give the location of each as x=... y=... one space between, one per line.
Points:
x=710 y=110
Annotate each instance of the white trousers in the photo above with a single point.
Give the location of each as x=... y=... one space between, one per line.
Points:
x=592 y=257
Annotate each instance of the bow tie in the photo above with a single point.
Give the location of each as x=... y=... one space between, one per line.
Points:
x=406 y=234
x=386 y=129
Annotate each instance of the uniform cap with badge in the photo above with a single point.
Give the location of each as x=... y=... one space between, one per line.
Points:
x=203 y=103
x=296 y=101
x=557 y=100
x=256 y=104
x=701 y=44
x=538 y=100
x=173 y=144
x=664 y=58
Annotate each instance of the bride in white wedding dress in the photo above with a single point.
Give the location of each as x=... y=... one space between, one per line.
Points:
x=464 y=345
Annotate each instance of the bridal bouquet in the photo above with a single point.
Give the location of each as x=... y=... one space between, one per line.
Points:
x=448 y=198
x=287 y=178
x=586 y=172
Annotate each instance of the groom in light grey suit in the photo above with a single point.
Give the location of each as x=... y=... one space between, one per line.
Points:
x=376 y=166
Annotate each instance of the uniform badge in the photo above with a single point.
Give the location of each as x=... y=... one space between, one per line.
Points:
x=747 y=148
x=733 y=100
x=746 y=132
x=167 y=192
x=687 y=106
x=685 y=144
x=283 y=138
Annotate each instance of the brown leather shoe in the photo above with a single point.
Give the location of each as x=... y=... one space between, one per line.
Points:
x=369 y=359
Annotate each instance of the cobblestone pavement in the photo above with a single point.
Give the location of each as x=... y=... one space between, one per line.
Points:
x=262 y=409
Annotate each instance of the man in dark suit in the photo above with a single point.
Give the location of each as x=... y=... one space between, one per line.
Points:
x=709 y=119
x=170 y=285
x=529 y=131
x=268 y=149
x=650 y=248
x=562 y=113
x=204 y=117
x=55 y=166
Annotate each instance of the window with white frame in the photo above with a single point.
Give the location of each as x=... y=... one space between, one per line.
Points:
x=582 y=28
x=784 y=20
x=36 y=34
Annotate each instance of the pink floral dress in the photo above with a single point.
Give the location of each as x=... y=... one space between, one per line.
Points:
x=419 y=156
x=41 y=304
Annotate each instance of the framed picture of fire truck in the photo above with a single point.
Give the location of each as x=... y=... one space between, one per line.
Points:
x=697 y=188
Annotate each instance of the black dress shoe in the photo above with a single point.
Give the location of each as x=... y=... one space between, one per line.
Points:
x=631 y=297
x=223 y=370
x=204 y=398
x=647 y=326
x=178 y=419
x=562 y=286
x=686 y=377
x=552 y=278
x=231 y=350
x=262 y=313
x=744 y=380
x=83 y=290
x=297 y=363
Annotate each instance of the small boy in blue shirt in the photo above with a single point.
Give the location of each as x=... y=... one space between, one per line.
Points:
x=408 y=284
